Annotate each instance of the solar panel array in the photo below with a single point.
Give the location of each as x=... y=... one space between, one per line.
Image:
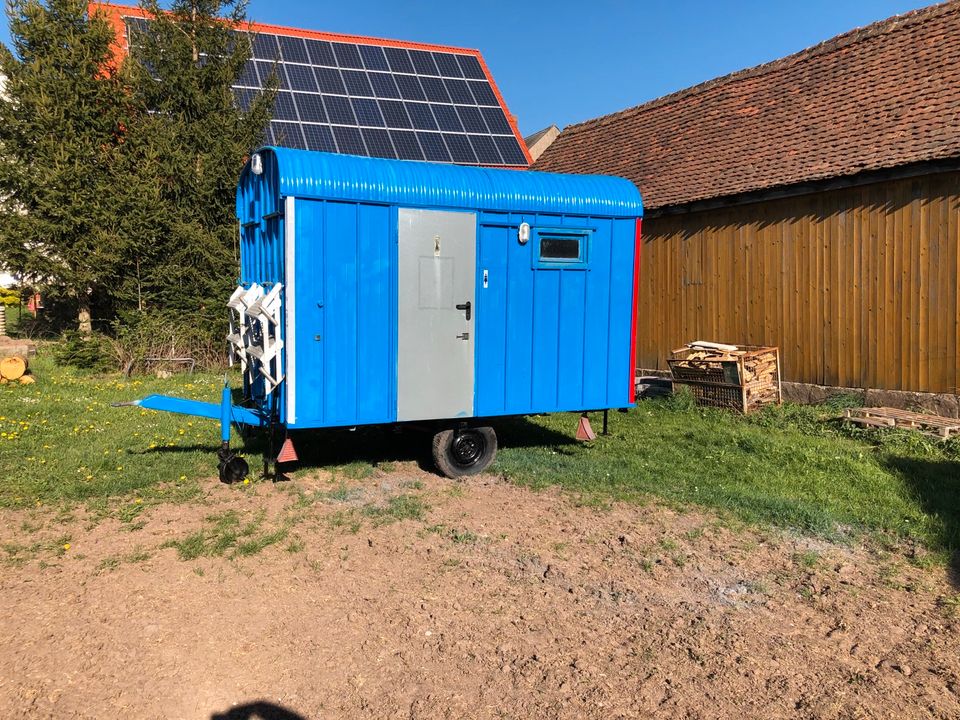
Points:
x=378 y=100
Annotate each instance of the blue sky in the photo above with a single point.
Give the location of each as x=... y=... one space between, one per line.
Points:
x=566 y=61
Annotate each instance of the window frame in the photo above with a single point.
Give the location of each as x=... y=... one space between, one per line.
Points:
x=581 y=262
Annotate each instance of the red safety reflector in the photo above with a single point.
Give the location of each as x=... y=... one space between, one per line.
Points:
x=584 y=431
x=287 y=453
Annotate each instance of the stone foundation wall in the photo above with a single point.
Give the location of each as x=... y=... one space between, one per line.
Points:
x=945 y=404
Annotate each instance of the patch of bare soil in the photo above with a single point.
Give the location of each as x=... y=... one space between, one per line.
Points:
x=495 y=602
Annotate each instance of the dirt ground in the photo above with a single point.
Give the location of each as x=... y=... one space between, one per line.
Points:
x=499 y=602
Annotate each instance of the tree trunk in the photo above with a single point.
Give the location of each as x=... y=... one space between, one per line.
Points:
x=83 y=314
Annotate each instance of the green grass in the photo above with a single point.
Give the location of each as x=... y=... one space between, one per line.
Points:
x=112 y=562
x=228 y=535
x=458 y=536
x=60 y=440
x=61 y=443
x=19 y=553
x=399 y=507
x=808 y=559
x=791 y=466
x=396 y=508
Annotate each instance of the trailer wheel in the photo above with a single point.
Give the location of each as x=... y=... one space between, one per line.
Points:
x=232 y=468
x=464 y=451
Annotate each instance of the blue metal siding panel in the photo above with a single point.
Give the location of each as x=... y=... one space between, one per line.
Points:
x=419 y=184
x=310 y=285
x=376 y=313
x=492 y=355
x=546 y=338
x=571 y=318
x=341 y=326
x=346 y=297
x=519 y=332
x=597 y=330
x=621 y=312
x=261 y=249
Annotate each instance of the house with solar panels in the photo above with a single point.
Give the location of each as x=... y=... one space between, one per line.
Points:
x=368 y=96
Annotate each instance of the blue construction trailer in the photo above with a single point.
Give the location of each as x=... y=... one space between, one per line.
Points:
x=374 y=292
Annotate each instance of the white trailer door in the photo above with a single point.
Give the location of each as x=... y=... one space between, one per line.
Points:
x=436 y=305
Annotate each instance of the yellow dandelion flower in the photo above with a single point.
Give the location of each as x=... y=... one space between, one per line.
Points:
x=66 y=546
x=246 y=481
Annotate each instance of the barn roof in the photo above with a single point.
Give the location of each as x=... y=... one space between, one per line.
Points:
x=873 y=98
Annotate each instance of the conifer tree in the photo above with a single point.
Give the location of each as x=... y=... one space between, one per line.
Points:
x=184 y=61
x=62 y=154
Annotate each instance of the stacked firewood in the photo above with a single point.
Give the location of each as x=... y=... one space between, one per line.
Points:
x=740 y=377
x=761 y=369
x=702 y=350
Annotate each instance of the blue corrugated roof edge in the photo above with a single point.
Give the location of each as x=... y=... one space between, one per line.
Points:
x=309 y=174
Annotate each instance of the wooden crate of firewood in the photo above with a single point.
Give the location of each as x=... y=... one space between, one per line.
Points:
x=742 y=378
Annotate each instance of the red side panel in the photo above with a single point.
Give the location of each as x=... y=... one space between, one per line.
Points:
x=633 y=322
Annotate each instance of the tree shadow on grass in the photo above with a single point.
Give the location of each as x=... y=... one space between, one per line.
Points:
x=936 y=485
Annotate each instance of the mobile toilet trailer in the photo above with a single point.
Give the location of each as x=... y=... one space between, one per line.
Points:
x=378 y=291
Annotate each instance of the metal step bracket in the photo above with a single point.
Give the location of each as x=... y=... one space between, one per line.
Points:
x=254 y=337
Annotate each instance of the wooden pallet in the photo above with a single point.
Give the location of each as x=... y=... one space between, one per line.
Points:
x=904 y=420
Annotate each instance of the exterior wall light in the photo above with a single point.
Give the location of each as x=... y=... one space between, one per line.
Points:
x=523 y=234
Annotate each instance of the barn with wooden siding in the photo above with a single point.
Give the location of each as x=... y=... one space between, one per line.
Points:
x=811 y=203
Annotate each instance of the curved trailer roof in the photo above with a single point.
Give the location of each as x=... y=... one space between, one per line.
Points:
x=331 y=176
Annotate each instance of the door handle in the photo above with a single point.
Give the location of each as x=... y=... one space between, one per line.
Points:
x=466 y=308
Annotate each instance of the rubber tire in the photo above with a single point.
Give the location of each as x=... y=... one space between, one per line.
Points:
x=446 y=461
x=233 y=469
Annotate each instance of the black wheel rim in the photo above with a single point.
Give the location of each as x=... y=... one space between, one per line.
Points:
x=468 y=447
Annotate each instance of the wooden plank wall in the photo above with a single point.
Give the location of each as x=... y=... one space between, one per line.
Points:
x=857 y=286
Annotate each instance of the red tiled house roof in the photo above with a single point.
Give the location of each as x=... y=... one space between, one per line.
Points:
x=873 y=98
